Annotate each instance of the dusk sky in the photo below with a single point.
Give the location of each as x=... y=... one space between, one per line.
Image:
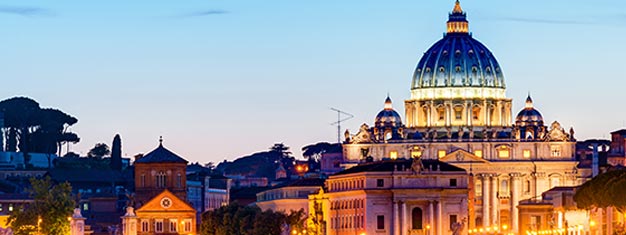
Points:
x=219 y=79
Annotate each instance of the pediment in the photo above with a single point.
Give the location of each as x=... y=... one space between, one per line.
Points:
x=166 y=201
x=462 y=156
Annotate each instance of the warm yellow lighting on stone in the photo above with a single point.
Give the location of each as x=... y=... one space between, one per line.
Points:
x=592 y=223
x=441 y=153
x=478 y=153
x=458 y=93
x=393 y=155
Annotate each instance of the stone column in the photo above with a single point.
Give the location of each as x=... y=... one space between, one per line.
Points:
x=515 y=192
x=494 y=199
x=129 y=222
x=439 y=217
x=77 y=223
x=485 y=184
x=431 y=216
x=448 y=107
x=405 y=220
x=396 y=218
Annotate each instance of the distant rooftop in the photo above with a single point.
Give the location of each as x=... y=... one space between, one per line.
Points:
x=160 y=155
x=391 y=165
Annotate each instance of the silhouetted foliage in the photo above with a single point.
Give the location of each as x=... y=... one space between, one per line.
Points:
x=30 y=128
x=249 y=220
x=313 y=153
x=606 y=189
x=116 y=153
x=99 y=151
x=261 y=164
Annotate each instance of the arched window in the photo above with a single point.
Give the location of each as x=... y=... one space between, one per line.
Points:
x=161 y=180
x=416 y=216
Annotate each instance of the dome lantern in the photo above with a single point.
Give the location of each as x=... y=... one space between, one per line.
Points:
x=457 y=21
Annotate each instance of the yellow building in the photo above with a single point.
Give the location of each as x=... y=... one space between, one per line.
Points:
x=160 y=183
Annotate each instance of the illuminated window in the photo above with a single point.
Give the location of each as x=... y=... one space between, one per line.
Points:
x=1 y=207
x=475 y=113
x=145 y=226
x=11 y=207
x=526 y=153
x=173 y=225
x=441 y=153
x=555 y=151
x=503 y=152
x=441 y=114
x=478 y=189
x=85 y=206
x=416 y=152
x=393 y=155
x=458 y=115
x=478 y=153
x=187 y=227
x=158 y=226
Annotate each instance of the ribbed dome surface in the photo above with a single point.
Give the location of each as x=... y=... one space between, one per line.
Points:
x=458 y=60
x=529 y=116
x=388 y=117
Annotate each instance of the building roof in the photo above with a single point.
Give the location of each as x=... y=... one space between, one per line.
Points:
x=621 y=132
x=391 y=165
x=161 y=155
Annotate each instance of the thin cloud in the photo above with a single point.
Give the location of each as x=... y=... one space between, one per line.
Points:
x=205 y=13
x=24 y=11
x=545 y=21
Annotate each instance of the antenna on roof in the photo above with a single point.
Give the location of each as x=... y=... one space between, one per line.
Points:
x=339 y=121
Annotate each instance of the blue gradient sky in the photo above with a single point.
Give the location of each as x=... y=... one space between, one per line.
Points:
x=223 y=78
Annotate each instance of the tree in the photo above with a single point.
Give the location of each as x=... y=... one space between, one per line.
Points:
x=29 y=128
x=116 y=153
x=99 y=151
x=313 y=152
x=242 y=220
x=49 y=211
x=604 y=190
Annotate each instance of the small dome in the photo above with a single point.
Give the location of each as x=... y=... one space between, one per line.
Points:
x=529 y=116
x=388 y=117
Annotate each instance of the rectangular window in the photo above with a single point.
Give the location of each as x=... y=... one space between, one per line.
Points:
x=441 y=115
x=380 y=222
x=187 y=226
x=380 y=183
x=11 y=207
x=173 y=225
x=145 y=225
x=478 y=153
x=85 y=206
x=555 y=151
x=458 y=114
x=441 y=153
x=503 y=153
x=158 y=226
x=143 y=180
x=526 y=153
x=452 y=182
x=1 y=208
x=393 y=155
x=452 y=220
x=478 y=189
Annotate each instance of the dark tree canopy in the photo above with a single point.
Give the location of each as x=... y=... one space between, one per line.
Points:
x=99 y=151
x=116 y=153
x=249 y=220
x=30 y=128
x=261 y=164
x=606 y=189
x=313 y=153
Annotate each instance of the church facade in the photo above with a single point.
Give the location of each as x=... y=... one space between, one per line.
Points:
x=458 y=113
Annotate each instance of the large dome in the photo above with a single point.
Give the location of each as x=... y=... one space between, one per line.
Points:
x=458 y=60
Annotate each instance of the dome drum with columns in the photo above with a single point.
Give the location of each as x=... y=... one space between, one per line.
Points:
x=458 y=93
x=458 y=113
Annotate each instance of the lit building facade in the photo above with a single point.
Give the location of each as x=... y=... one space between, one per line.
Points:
x=458 y=113
x=396 y=197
